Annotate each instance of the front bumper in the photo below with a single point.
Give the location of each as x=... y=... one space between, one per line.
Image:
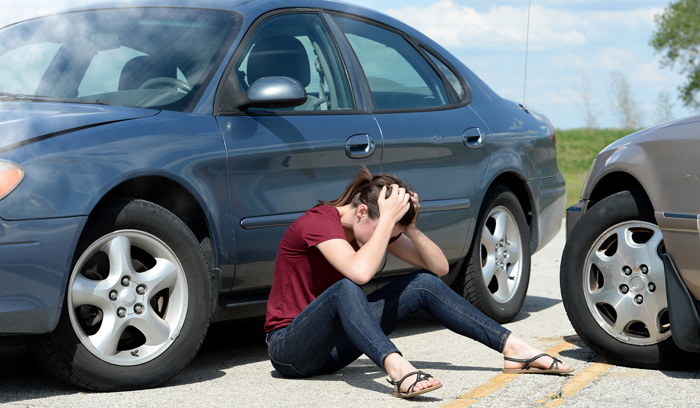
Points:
x=35 y=260
x=574 y=213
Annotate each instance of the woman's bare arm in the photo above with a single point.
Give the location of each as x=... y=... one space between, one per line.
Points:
x=418 y=250
x=360 y=266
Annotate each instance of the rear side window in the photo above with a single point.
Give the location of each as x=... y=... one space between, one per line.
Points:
x=452 y=78
x=398 y=75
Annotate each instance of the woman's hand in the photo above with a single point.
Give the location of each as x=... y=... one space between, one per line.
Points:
x=396 y=205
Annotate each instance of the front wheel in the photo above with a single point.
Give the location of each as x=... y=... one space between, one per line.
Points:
x=613 y=283
x=498 y=265
x=138 y=301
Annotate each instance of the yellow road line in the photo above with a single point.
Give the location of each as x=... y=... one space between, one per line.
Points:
x=576 y=384
x=498 y=382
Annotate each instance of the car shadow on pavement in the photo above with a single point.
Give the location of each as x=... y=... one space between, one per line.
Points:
x=231 y=344
x=226 y=345
x=366 y=376
x=534 y=304
x=238 y=343
x=23 y=379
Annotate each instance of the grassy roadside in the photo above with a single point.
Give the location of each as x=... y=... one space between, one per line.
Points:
x=576 y=150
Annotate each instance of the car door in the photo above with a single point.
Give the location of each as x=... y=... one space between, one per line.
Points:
x=433 y=140
x=282 y=161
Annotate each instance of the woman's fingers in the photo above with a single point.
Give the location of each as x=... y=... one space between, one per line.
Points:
x=396 y=205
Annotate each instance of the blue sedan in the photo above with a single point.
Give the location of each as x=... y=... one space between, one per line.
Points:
x=152 y=156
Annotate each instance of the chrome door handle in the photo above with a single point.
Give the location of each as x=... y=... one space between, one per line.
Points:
x=473 y=138
x=359 y=146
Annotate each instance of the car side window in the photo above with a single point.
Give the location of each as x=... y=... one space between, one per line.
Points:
x=452 y=78
x=398 y=75
x=298 y=46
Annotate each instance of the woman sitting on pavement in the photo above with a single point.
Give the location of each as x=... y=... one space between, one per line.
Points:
x=319 y=320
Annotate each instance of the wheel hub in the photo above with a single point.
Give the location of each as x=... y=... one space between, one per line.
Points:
x=128 y=298
x=637 y=284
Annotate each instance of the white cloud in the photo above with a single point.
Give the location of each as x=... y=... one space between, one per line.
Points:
x=614 y=59
x=455 y=25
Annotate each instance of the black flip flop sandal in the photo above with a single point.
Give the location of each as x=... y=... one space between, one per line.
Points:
x=553 y=368
x=420 y=376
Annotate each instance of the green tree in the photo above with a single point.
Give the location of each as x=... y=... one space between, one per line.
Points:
x=677 y=38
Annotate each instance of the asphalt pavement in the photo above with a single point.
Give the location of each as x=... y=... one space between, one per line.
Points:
x=232 y=369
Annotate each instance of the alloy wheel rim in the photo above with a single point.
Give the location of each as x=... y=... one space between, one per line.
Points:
x=501 y=245
x=127 y=297
x=624 y=284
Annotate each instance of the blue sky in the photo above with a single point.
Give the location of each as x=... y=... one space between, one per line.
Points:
x=569 y=40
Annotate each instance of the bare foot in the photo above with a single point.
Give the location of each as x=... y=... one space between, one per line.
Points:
x=517 y=348
x=397 y=367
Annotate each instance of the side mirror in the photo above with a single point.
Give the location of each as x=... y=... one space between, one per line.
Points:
x=274 y=92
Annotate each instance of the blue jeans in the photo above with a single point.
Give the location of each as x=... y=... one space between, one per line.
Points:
x=343 y=323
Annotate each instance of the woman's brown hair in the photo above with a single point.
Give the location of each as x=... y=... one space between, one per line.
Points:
x=364 y=188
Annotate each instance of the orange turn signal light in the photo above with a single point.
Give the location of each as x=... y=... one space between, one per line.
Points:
x=11 y=175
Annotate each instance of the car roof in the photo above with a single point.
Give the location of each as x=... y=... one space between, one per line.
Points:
x=254 y=7
x=218 y=4
x=245 y=7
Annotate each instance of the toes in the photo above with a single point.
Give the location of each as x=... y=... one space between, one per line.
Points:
x=421 y=385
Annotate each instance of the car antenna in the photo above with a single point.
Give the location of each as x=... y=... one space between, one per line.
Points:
x=527 y=44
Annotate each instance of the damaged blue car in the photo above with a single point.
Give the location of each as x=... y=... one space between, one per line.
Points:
x=153 y=154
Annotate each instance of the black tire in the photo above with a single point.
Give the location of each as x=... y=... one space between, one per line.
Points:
x=607 y=303
x=501 y=293
x=119 y=297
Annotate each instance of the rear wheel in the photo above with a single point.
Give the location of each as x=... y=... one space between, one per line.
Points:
x=613 y=283
x=138 y=301
x=498 y=265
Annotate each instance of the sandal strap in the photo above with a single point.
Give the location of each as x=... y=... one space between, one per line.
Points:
x=420 y=376
x=528 y=361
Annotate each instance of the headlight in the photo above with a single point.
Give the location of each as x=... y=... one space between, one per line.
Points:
x=11 y=175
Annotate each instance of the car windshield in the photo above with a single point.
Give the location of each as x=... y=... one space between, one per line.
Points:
x=141 y=57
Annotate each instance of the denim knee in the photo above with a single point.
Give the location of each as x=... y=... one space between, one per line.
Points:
x=427 y=280
x=349 y=287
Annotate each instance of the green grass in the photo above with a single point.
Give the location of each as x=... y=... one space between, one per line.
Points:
x=576 y=150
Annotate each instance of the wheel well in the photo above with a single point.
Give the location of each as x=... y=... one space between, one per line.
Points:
x=171 y=196
x=614 y=183
x=517 y=186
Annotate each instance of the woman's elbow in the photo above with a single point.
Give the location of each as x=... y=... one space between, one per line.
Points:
x=442 y=269
x=361 y=281
x=359 y=276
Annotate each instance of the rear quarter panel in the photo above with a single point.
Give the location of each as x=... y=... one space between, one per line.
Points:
x=523 y=146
